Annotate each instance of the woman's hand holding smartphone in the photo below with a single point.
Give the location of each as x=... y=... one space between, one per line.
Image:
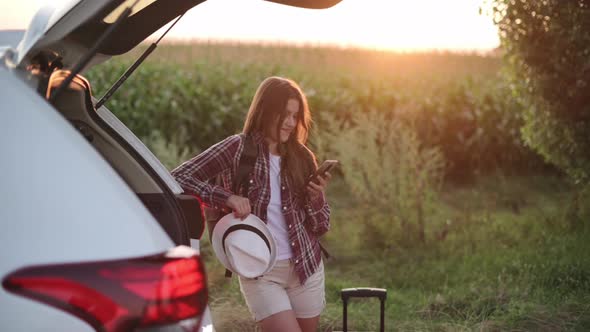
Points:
x=324 y=168
x=318 y=181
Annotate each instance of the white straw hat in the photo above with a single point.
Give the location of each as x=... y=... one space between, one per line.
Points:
x=245 y=247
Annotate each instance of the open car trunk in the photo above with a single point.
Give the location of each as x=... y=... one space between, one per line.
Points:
x=50 y=50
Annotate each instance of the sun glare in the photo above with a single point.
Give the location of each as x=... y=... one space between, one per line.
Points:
x=381 y=24
x=413 y=25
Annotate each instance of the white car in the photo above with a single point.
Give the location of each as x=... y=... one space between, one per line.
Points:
x=97 y=235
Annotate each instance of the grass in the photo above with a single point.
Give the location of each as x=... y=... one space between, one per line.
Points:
x=509 y=261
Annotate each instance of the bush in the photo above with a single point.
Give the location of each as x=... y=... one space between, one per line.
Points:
x=477 y=125
x=547 y=47
x=388 y=171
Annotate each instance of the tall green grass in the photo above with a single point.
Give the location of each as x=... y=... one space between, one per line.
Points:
x=509 y=261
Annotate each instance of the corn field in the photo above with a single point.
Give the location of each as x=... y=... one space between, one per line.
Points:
x=192 y=95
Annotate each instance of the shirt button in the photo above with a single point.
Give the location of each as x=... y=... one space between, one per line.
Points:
x=283 y=187
x=289 y=225
x=251 y=181
x=296 y=261
x=292 y=244
x=284 y=208
x=309 y=210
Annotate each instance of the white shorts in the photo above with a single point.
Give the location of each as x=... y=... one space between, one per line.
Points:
x=280 y=290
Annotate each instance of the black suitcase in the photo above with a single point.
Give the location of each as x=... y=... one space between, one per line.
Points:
x=348 y=293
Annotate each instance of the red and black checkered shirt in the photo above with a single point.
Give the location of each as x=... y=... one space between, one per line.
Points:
x=307 y=219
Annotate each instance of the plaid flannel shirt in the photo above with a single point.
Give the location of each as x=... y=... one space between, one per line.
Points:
x=307 y=219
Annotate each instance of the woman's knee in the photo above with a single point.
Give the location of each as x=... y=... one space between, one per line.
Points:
x=308 y=324
x=281 y=321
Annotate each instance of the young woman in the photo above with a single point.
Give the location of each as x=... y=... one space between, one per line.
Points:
x=291 y=296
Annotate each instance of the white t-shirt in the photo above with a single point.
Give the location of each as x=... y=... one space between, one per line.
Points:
x=276 y=221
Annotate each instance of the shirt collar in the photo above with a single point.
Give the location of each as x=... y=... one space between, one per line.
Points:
x=258 y=137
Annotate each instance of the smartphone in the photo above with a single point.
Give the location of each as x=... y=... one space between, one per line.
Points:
x=326 y=166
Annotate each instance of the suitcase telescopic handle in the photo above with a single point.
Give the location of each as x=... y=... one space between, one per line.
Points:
x=348 y=293
x=380 y=293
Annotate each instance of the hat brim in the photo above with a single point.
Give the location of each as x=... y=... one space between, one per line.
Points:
x=230 y=220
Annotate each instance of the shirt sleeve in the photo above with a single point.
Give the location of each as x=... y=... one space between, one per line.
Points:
x=317 y=210
x=317 y=213
x=194 y=174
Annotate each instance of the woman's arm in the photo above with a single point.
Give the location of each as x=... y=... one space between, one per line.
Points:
x=194 y=174
x=316 y=206
x=318 y=216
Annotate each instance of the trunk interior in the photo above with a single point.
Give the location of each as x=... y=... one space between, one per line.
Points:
x=127 y=155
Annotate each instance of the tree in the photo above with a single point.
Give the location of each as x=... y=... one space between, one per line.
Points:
x=547 y=50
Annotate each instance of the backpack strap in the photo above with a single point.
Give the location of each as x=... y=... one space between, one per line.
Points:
x=245 y=167
x=324 y=250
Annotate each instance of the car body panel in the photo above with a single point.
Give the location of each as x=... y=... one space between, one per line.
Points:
x=68 y=194
x=47 y=318
x=72 y=185
x=38 y=33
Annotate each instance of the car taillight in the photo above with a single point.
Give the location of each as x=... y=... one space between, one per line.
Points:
x=124 y=294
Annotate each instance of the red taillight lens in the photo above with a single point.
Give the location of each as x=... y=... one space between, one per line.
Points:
x=123 y=294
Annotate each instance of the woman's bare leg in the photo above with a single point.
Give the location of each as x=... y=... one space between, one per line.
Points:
x=279 y=322
x=309 y=324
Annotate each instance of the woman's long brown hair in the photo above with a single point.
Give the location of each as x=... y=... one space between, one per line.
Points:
x=268 y=109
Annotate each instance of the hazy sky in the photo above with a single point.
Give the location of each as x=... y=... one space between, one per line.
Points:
x=385 y=24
